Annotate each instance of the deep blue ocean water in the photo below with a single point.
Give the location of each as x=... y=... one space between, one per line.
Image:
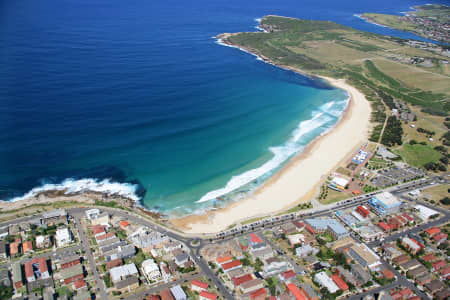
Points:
x=139 y=92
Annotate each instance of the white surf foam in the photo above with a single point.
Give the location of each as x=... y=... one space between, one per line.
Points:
x=280 y=155
x=258 y=20
x=72 y=186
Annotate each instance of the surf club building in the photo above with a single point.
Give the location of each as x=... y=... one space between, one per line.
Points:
x=385 y=204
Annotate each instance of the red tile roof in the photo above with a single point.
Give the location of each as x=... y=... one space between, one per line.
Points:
x=406 y=292
x=232 y=264
x=340 y=282
x=432 y=231
x=362 y=211
x=384 y=226
x=438 y=264
x=258 y=293
x=96 y=229
x=105 y=236
x=429 y=257
x=124 y=223
x=224 y=259
x=200 y=284
x=27 y=246
x=388 y=274
x=445 y=271
x=396 y=295
x=295 y=291
x=208 y=295
x=288 y=274
x=79 y=284
x=440 y=236
x=408 y=217
x=255 y=239
x=402 y=220
x=240 y=280
x=310 y=229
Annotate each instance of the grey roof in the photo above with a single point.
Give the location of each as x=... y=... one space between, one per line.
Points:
x=82 y=295
x=72 y=271
x=69 y=259
x=178 y=292
x=126 y=282
x=413 y=263
x=2 y=247
x=54 y=213
x=182 y=257
x=358 y=271
x=331 y=224
x=16 y=272
x=309 y=290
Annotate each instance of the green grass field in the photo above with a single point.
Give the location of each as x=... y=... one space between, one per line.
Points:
x=418 y=155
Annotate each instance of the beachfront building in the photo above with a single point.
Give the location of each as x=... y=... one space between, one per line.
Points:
x=54 y=217
x=385 y=203
x=325 y=281
x=338 y=183
x=332 y=226
x=360 y=157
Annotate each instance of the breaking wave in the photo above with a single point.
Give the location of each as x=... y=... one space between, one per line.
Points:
x=74 y=186
x=322 y=118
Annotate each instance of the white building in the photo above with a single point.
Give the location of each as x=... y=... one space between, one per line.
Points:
x=63 y=237
x=178 y=293
x=425 y=213
x=151 y=270
x=122 y=272
x=92 y=213
x=324 y=280
x=295 y=239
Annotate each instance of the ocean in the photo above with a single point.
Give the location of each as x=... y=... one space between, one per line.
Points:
x=137 y=98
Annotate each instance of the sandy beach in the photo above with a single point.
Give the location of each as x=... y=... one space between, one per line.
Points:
x=300 y=179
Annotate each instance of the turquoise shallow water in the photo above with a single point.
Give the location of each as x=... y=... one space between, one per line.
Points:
x=136 y=97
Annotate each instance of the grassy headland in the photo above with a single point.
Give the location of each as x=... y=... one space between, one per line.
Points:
x=386 y=69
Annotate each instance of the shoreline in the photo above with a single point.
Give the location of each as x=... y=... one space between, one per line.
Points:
x=352 y=126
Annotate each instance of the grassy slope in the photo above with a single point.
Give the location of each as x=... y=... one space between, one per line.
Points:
x=418 y=155
x=370 y=62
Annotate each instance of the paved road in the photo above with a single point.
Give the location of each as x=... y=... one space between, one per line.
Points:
x=84 y=242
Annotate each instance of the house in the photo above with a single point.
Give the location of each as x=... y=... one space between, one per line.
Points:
x=434 y=286
x=416 y=272
x=127 y=285
x=63 y=237
x=287 y=276
x=147 y=239
x=424 y=279
x=442 y=294
x=17 y=276
x=114 y=263
x=339 y=282
x=444 y=272
x=412 y=245
x=241 y=279
x=69 y=261
x=296 y=239
x=172 y=245
x=36 y=269
x=205 y=295
x=151 y=270
x=363 y=211
x=79 y=284
x=440 y=237
x=432 y=231
x=254 y=239
x=178 y=293
x=82 y=295
x=259 y=294
x=231 y=265
x=122 y=252
x=181 y=259
x=400 y=259
x=388 y=274
x=198 y=286
x=72 y=274
x=123 y=272
x=274 y=266
x=348 y=276
x=166 y=295
x=124 y=224
x=295 y=291
x=223 y=260
x=325 y=281
x=305 y=250
x=43 y=241
x=362 y=275
x=288 y=228
x=14 y=248
x=54 y=217
x=251 y=285
x=429 y=257
x=263 y=253
x=165 y=272
x=410 y=264
x=309 y=292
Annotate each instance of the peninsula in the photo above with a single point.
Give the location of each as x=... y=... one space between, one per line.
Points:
x=430 y=21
